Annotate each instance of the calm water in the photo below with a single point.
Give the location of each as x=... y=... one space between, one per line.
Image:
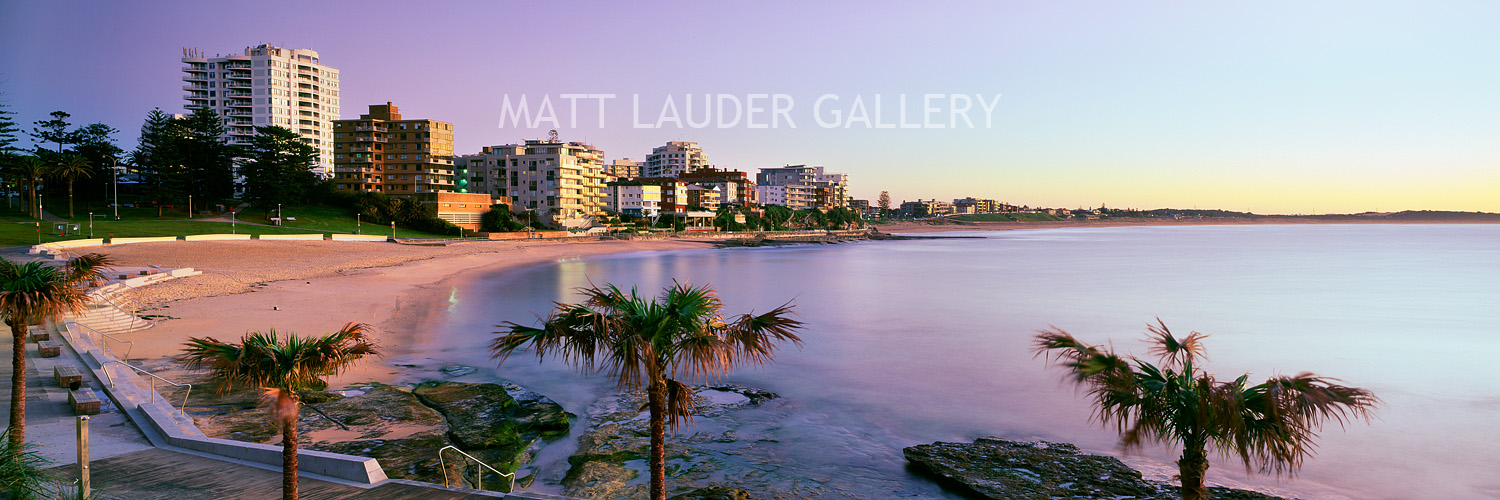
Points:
x=916 y=341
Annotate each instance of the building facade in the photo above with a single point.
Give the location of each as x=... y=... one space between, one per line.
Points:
x=264 y=86
x=635 y=198
x=624 y=169
x=563 y=182
x=381 y=152
x=674 y=159
x=827 y=189
x=734 y=186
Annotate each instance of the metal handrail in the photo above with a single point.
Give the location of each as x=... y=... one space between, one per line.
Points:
x=111 y=337
x=143 y=371
x=478 y=478
x=112 y=299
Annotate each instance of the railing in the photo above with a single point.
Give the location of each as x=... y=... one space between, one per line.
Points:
x=478 y=478
x=103 y=336
x=105 y=368
x=114 y=299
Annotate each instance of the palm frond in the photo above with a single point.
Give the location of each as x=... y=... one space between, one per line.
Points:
x=681 y=401
x=1173 y=351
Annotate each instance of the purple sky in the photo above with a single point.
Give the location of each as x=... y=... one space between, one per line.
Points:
x=1279 y=107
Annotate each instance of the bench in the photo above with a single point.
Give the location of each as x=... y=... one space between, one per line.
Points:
x=67 y=375
x=149 y=272
x=49 y=348
x=40 y=335
x=84 y=401
x=125 y=276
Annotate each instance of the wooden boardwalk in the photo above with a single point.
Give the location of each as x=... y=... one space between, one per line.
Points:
x=157 y=474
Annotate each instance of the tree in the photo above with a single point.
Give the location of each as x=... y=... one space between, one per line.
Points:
x=499 y=219
x=158 y=157
x=71 y=167
x=281 y=366
x=8 y=131
x=30 y=169
x=884 y=202
x=1271 y=425
x=650 y=344
x=54 y=130
x=278 y=167
x=95 y=142
x=207 y=159
x=35 y=293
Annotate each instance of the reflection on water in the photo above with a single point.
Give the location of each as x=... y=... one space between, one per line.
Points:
x=916 y=341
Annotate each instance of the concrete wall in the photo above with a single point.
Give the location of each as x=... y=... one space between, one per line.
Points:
x=154 y=239
x=209 y=237
x=318 y=236
x=360 y=237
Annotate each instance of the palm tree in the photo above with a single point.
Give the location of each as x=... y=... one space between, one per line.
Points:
x=646 y=343
x=31 y=169
x=72 y=167
x=32 y=293
x=1270 y=425
x=280 y=366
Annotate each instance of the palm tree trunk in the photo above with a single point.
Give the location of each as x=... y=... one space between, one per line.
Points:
x=1191 y=468
x=288 y=446
x=70 y=197
x=656 y=396
x=18 y=386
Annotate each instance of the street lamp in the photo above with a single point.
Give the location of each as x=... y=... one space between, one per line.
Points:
x=231 y=221
x=356 y=223
x=114 y=166
x=91 y=225
x=190 y=206
x=279 y=220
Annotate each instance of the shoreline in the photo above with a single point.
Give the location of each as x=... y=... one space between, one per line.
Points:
x=949 y=226
x=314 y=287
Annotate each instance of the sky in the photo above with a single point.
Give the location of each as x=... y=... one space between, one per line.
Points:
x=1271 y=107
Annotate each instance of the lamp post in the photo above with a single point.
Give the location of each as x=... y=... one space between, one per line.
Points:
x=190 y=206
x=279 y=220
x=356 y=223
x=91 y=225
x=114 y=166
x=231 y=221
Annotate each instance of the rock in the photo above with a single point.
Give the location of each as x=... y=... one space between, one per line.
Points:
x=1010 y=470
x=714 y=493
x=1000 y=469
x=487 y=417
x=612 y=459
x=455 y=371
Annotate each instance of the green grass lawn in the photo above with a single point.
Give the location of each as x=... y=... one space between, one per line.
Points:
x=16 y=228
x=1011 y=217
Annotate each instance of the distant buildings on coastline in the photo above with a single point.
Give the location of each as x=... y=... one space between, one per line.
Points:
x=560 y=183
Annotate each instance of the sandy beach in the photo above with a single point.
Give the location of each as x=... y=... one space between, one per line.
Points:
x=313 y=287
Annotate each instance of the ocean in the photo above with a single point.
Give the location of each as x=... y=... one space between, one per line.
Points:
x=910 y=342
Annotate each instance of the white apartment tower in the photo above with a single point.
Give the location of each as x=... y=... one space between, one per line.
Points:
x=674 y=159
x=563 y=182
x=264 y=86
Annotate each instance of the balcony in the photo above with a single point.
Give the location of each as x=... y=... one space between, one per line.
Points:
x=238 y=75
x=237 y=93
x=195 y=78
x=244 y=65
x=239 y=103
x=361 y=149
x=369 y=128
x=233 y=112
x=237 y=85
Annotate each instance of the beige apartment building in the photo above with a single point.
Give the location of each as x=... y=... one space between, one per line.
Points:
x=263 y=86
x=381 y=152
x=563 y=182
x=674 y=159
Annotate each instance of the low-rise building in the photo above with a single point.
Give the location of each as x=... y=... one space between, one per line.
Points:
x=631 y=197
x=827 y=189
x=563 y=182
x=624 y=169
x=734 y=186
x=922 y=209
x=462 y=209
x=700 y=195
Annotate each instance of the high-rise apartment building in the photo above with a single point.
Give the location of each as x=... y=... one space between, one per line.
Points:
x=264 y=86
x=384 y=153
x=734 y=186
x=827 y=189
x=674 y=159
x=563 y=182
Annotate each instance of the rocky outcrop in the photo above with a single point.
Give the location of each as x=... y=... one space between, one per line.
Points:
x=612 y=460
x=714 y=493
x=490 y=417
x=404 y=428
x=1009 y=470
